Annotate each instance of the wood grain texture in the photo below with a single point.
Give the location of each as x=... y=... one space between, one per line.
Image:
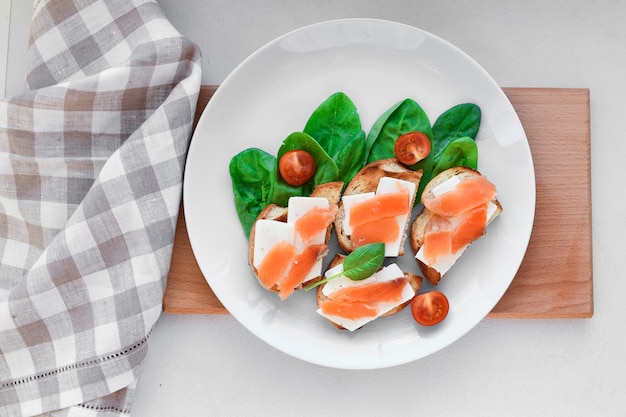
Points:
x=555 y=279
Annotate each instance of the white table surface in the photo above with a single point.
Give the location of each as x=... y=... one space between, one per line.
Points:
x=212 y=366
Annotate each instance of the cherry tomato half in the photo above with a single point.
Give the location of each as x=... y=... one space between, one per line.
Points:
x=412 y=147
x=296 y=167
x=430 y=308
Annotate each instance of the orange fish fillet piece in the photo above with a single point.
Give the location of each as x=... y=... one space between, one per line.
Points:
x=314 y=221
x=386 y=291
x=357 y=302
x=276 y=263
x=348 y=310
x=437 y=239
x=302 y=264
x=471 y=192
x=380 y=206
x=383 y=230
x=471 y=228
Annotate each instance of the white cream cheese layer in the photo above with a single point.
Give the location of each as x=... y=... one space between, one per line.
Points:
x=298 y=207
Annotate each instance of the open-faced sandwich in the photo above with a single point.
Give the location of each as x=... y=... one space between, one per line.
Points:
x=382 y=172
x=287 y=245
x=459 y=204
x=376 y=207
x=350 y=304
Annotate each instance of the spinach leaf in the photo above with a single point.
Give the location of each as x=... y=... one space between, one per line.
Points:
x=351 y=158
x=458 y=121
x=378 y=126
x=281 y=191
x=336 y=126
x=360 y=264
x=252 y=173
x=256 y=181
x=453 y=143
x=334 y=137
x=325 y=168
x=406 y=116
x=426 y=165
x=460 y=152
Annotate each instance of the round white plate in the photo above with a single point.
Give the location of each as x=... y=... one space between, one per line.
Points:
x=270 y=95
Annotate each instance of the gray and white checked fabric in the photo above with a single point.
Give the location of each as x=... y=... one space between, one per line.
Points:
x=91 y=164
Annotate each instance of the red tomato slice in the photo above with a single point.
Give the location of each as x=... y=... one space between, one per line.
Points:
x=430 y=308
x=296 y=167
x=412 y=147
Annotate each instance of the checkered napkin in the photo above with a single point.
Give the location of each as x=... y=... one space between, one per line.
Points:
x=91 y=164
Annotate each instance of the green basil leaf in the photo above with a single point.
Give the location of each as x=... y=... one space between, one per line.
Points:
x=252 y=173
x=360 y=264
x=460 y=152
x=459 y=121
x=364 y=261
x=406 y=116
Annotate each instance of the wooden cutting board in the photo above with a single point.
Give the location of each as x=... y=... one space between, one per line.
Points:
x=555 y=278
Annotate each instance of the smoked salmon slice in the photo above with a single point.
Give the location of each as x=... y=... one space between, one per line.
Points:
x=383 y=230
x=471 y=192
x=359 y=301
x=381 y=206
x=386 y=291
x=276 y=263
x=437 y=239
x=471 y=228
x=348 y=310
x=302 y=264
x=314 y=221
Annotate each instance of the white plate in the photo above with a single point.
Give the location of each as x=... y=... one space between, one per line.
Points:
x=272 y=94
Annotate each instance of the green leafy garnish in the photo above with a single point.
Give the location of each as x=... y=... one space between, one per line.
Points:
x=453 y=144
x=336 y=126
x=452 y=137
x=335 y=139
x=253 y=177
x=325 y=168
x=460 y=152
x=462 y=120
x=360 y=264
x=404 y=117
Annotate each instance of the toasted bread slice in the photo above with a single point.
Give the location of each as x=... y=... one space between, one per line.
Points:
x=414 y=280
x=421 y=221
x=366 y=180
x=331 y=191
